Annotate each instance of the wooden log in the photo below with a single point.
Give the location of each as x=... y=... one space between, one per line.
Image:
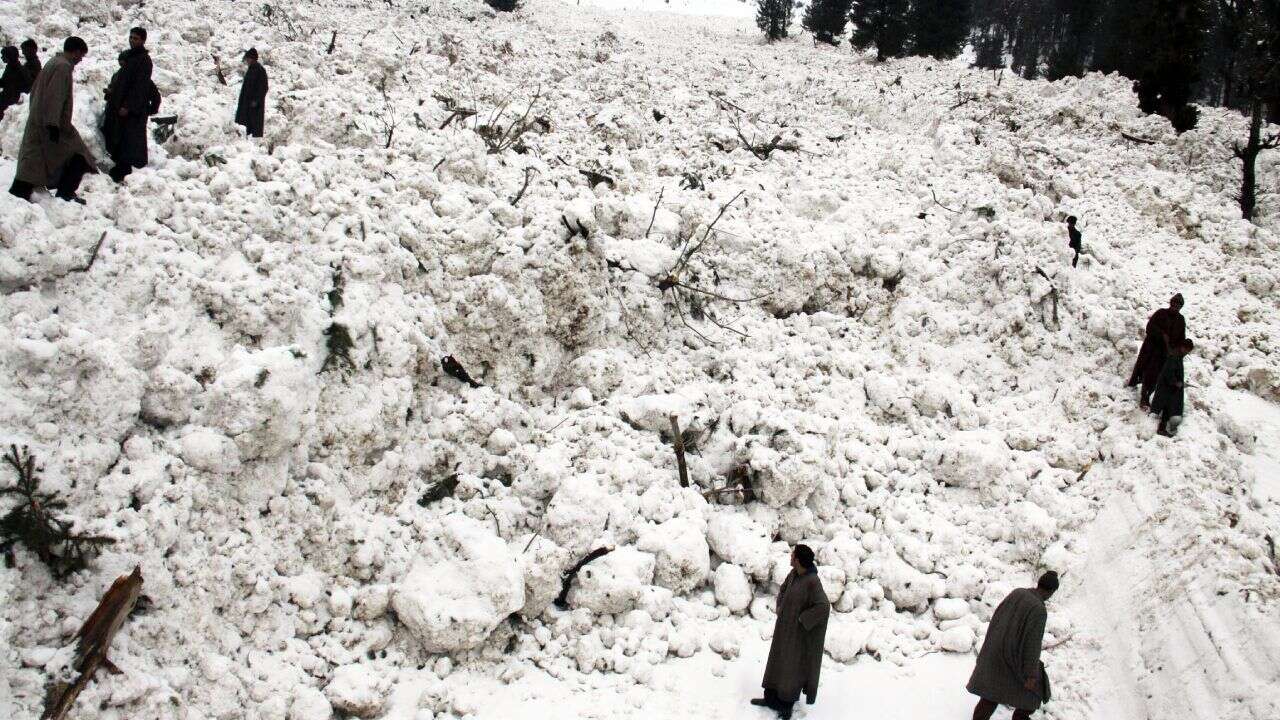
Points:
x=94 y=640
x=678 y=439
x=562 y=600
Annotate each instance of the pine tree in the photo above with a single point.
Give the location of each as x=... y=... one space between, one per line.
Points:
x=773 y=17
x=826 y=19
x=988 y=46
x=882 y=23
x=939 y=28
x=1159 y=44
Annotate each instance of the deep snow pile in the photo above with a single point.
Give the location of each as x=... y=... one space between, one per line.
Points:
x=903 y=391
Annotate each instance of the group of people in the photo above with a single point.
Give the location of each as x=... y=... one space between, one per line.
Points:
x=1008 y=670
x=20 y=71
x=1159 y=368
x=53 y=155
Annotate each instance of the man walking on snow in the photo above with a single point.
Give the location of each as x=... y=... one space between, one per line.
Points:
x=1166 y=329
x=128 y=109
x=251 y=110
x=795 y=655
x=1009 y=671
x=52 y=154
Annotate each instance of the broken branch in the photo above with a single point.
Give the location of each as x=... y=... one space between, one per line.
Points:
x=679 y=443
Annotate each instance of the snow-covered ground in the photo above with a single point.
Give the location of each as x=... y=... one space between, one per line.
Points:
x=902 y=388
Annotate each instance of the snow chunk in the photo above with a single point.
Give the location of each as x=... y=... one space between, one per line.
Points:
x=357 y=690
x=683 y=557
x=970 y=459
x=309 y=704
x=732 y=588
x=613 y=583
x=846 y=638
x=210 y=451
x=460 y=587
x=958 y=639
x=739 y=539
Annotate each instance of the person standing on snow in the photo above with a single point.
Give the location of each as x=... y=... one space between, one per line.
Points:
x=1166 y=328
x=13 y=82
x=128 y=109
x=52 y=153
x=1170 y=387
x=1073 y=239
x=251 y=110
x=1009 y=671
x=795 y=655
x=30 y=52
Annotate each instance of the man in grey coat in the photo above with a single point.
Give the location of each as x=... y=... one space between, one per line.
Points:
x=1009 y=671
x=52 y=154
x=795 y=655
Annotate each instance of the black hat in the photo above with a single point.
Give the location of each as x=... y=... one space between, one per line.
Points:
x=251 y=53
x=1048 y=582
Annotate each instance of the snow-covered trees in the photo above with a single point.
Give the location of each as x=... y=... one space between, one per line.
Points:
x=1160 y=44
x=882 y=24
x=773 y=17
x=826 y=19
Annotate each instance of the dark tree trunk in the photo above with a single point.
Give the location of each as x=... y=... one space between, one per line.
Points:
x=1249 y=156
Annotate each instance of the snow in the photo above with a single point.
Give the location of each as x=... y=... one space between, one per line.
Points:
x=903 y=391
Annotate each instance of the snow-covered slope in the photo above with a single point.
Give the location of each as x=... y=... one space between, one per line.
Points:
x=903 y=389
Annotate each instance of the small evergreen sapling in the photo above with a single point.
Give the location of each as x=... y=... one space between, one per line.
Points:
x=32 y=521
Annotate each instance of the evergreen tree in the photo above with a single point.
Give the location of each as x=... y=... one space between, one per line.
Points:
x=938 y=28
x=882 y=23
x=826 y=19
x=773 y=17
x=1159 y=44
x=1075 y=22
x=988 y=46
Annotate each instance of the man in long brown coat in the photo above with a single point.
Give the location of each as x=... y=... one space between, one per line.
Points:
x=1009 y=671
x=52 y=154
x=1166 y=328
x=795 y=656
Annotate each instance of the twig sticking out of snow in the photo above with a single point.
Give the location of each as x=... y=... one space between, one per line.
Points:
x=678 y=441
x=217 y=67
x=935 y=202
x=654 y=217
x=333 y=43
x=93 y=641
x=528 y=172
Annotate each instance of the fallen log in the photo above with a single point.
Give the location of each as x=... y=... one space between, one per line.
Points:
x=93 y=642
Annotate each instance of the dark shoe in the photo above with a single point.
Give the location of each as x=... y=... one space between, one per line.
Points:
x=760 y=702
x=1164 y=432
x=785 y=713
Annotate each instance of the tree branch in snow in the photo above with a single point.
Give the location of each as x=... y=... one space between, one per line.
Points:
x=935 y=201
x=678 y=441
x=456 y=112
x=94 y=640
x=654 y=216
x=217 y=67
x=333 y=43
x=566 y=580
x=1053 y=294
x=528 y=172
x=499 y=139
x=594 y=177
x=1136 y=139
